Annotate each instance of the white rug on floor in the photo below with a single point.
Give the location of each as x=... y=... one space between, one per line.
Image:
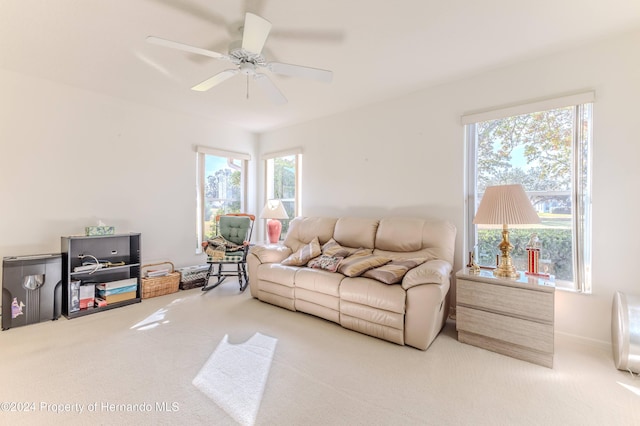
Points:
x=235 y=376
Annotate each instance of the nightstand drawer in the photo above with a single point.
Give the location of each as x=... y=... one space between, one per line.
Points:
x=517 y=331
x=519 y=302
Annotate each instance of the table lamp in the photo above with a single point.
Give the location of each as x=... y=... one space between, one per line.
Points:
x=274 y=210
x=505 y=205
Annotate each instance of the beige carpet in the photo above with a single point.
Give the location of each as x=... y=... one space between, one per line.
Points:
x=145 y=357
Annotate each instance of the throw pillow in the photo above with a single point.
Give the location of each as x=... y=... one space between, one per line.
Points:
x=360 y=262
x=332 y=248
x=393 y=272
x=328 y=263
x=304 y=254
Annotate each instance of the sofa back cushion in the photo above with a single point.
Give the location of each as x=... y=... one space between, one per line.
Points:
x=302 y=230
x=415 y=237
x=394 y=237
x=356 y=232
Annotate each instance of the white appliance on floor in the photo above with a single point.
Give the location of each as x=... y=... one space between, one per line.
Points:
x=625 y=332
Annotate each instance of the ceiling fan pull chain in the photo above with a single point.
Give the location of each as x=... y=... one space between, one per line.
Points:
x=247 y=86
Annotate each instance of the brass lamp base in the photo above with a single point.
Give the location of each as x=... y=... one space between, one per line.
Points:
x=505 y=269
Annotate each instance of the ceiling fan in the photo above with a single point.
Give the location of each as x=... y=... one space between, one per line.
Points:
x=246 y=54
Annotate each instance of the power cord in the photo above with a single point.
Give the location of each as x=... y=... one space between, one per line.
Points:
x=96 y=266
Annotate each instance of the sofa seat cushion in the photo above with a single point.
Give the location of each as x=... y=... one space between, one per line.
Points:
x=374 y=322
x=373 y=308
x=317 y=293
x=318 y=281
x=275 y=284
x=368 y=292
x=277 y=273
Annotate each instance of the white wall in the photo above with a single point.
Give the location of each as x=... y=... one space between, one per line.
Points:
x=406 y=156
x=70 y=157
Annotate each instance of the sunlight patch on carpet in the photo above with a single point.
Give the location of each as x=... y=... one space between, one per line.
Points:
x=631 y=388
x=155 y=319
x=235 y=376
x=152 y=321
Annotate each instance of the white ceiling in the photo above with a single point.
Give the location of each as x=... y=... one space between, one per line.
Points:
x=377 y=49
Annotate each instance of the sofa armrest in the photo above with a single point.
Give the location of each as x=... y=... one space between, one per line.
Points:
x=270 y=253
x=430 y=272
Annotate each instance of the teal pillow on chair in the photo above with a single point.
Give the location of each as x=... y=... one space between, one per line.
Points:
x=235 y=228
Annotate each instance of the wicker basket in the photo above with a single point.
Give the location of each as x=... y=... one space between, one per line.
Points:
x=159 y=286
x=193 y=276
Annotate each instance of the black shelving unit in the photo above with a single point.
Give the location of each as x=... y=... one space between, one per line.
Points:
x=106 y=248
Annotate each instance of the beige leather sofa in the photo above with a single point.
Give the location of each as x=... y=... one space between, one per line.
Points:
x=411 y=312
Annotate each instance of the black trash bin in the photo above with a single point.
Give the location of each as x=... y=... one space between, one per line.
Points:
x=31 y=289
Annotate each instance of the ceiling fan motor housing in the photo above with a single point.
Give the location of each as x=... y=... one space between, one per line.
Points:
x=241 y=56
x=247 y=68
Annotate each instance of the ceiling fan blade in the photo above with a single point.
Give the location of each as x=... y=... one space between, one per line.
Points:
x=271 y=90
x=185 y=47
x=215 y=80
x=300 y=71
x=255 y=33
x=306 y=35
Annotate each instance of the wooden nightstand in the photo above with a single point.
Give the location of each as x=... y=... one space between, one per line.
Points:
x=513 y=317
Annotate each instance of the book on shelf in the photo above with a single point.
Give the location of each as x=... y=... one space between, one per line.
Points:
x=117 y=284
x=114 y=298
x=109 y=292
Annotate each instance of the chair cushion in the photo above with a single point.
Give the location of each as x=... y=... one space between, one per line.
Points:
x=235 y=228
x=233 y=257
x=220 y=256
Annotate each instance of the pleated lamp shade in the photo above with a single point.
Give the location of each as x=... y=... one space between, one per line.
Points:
x=505 y=205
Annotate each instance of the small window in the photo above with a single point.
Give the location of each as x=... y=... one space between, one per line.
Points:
x=221 y=187
x=283 y=183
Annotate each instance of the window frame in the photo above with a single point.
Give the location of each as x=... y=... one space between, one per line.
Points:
x=201 y=153
x=581 y=179
x=269 y=183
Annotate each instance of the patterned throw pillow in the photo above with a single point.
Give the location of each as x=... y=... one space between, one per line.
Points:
x=304 y=254
x=328 y=263
x=332 y=248
x=360 y=262
x=393 y=272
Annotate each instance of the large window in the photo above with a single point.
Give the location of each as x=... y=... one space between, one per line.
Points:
x=546 y=148
x=221 y=187
x=283 y=172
